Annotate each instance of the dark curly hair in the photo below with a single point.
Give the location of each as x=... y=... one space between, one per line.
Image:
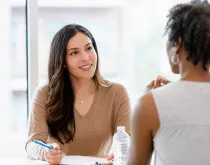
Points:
x=61 y=98
x=191 y=22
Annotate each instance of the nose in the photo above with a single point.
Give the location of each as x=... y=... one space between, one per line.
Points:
x=84 y=56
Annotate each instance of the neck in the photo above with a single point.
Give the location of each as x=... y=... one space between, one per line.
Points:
x=83 y=86
x=189 y=72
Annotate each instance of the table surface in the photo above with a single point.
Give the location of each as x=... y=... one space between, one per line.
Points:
x=23 y=161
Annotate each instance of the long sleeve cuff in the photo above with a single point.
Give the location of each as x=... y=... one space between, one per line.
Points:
x=35 y=151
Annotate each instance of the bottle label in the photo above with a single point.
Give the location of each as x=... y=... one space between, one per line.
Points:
x=121 y=150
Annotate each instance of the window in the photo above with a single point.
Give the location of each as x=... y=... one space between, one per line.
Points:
x=51 y=19
x=13 y=118
x=130 y=39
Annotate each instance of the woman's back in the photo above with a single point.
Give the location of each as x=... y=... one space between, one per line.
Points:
x=183 y=137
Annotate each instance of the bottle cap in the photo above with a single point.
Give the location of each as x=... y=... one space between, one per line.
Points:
x=121 y=128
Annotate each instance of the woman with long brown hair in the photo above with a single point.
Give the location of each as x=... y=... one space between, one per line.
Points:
x=78 y=110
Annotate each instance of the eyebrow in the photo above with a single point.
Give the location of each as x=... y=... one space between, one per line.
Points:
x=78 y=48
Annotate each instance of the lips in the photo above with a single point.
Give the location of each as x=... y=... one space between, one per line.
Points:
x=86 y=67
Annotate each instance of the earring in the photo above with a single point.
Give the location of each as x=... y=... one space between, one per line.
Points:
x=175 y=60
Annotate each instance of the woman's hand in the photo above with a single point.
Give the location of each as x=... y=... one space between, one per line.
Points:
x=110 y=157
x=53 y=156
x=160 y=81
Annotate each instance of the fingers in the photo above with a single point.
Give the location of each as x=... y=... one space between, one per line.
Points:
x=110 y=157
x=53 y=156
x=154 y=84
x=157 y=83
x=53 y=161
x=151 y=85
x=160 y=81
x=55 y=145
x=52 y=152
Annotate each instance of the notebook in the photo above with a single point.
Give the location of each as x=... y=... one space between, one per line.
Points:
x=80 y=160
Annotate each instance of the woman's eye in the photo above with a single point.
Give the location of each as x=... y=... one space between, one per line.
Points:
x=89 y=48
x=73 y=53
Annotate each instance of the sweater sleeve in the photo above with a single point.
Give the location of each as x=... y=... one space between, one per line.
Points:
x=37 y=126
x=123 y=114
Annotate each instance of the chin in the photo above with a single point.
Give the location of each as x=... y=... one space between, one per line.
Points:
x=90 y=76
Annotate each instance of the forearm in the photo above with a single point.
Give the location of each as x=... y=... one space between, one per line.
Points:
x=35 y=151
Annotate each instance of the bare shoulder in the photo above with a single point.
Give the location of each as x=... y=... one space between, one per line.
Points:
x=145 y=104
x=145 y=110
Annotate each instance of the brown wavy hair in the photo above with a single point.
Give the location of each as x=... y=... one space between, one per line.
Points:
x=61 y=98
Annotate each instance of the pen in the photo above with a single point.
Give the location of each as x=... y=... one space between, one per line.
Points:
x=44 y=145
x=98 y=163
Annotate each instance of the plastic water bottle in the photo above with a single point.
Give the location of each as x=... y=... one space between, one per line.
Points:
x=121 y=142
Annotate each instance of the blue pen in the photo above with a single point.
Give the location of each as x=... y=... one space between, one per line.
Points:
x=44 y=145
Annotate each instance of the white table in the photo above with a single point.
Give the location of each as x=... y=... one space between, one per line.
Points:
x=15 y=161
x=26 y=161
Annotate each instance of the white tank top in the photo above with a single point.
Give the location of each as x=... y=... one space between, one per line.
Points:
x=184 y=134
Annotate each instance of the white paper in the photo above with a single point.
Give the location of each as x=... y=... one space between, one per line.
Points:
x=80 y=160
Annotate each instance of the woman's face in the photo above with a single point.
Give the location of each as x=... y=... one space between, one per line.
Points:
x=81 y=57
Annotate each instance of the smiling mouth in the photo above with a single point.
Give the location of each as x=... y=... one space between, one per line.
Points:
x=85 y=67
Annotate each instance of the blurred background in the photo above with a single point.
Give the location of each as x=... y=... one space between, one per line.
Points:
x=130 y=39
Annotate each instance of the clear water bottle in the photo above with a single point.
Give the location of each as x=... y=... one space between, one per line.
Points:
x=121 y=142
